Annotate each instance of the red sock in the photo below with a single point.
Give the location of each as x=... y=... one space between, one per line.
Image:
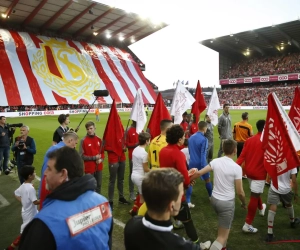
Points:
x=136 y=204
x=260 y=206
x=252 y=207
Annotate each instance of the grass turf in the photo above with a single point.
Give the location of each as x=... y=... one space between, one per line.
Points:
x=41 y=129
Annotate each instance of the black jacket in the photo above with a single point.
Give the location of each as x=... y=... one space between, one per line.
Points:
x=5 y=140
x=36 y=235
x=144 y=233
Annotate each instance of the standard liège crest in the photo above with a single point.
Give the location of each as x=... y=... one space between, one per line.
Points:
x=274 y=155
x=64 y=70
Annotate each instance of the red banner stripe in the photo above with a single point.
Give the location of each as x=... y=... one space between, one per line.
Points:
x=108 y=83
x=35 y=40
x=51 y=62
x=128 y=72
x=21 y=50
x=116 y=72
x=60 y=100
x=141 y=75
x=8 y=78
x=73 y=45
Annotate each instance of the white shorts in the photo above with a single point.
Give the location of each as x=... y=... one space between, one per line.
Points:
x=137 y=180
x=257 y=186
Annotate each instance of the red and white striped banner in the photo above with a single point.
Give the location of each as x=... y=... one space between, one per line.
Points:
x=39 y=70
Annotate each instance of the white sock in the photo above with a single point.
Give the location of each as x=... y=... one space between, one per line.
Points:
x=216 y=246
x=291 y=214
x=271 y=216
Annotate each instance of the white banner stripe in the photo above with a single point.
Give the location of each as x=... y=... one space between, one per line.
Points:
x=3 y=99
x=31 y=49
x=19 y=74
x=136 y=76
x=116 y=84
x=108 y=99
x=119 y=66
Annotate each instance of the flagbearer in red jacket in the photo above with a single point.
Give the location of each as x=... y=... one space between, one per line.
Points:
x=132 y=141
x=253 y=156
x=90 y=147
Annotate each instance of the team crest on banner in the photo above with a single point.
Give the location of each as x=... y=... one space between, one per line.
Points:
x=64 y=70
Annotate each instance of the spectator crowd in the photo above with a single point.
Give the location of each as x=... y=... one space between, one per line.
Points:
x=271 y=65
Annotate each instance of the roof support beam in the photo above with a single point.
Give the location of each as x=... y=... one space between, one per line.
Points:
x=57 y=14
x=70 y=23
x=250 y=45
x=135 y=31
x=293 y=41
x=124 y=28
x=9 y=10
x=263 y=38
x=92 y=22
x=33 y=13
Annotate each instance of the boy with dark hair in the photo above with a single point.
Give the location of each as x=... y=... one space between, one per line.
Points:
x=26 y=194
x=89 y=149
x=227 y=176
x=171 y=157
x=162 y=190
x=64 y=121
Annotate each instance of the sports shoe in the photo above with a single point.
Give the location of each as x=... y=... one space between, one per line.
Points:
x=205 y=245
x=262 y=212
x=270 y=238
x=191 y=205
x=249 y=229
x=244 y=177
x=295 y=223
x=267 y=184
x=177 y=224
x=111 y=203
x=122 y=200
x=132 y=196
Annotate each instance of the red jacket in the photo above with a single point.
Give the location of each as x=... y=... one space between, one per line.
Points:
x=132 y=140
x=253 y=156
x=171 y=157
x=185 y=127
x=193 y=128
x=90 y=146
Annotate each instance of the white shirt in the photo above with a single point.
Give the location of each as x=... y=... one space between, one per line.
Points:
x=187 y=154
x=28 y=195
x=139 y=156
x=226 y=171
x=284 y=184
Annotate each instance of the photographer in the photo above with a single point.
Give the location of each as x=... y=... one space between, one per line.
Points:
x=5 y=134
x=24 y=149
x=64 y=121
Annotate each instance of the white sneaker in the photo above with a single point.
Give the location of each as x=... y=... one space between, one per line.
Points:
x=262 y=212
x=249 y=229
x=205 y=245
x=191 y=205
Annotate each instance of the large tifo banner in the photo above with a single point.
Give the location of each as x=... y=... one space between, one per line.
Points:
x=256 y=79
x=39 y=70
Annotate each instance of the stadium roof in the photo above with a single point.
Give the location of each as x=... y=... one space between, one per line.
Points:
x=75 y=19
x=263 y=41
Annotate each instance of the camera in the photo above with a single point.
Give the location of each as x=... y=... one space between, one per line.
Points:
x=14 y=125
x=13 y=164
x=21 y=144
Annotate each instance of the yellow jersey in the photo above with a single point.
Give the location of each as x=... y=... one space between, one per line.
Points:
x=242 y=131
x=155 y=146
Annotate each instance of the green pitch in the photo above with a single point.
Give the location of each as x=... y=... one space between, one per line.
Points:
x=41 y=129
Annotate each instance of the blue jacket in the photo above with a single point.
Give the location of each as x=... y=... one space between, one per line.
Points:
x=198 y=145
x=81 y=223
x=52 y=148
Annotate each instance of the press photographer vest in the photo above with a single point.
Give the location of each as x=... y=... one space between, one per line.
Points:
x=28 y=157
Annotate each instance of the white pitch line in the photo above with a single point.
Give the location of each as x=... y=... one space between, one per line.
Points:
x=3 y=201
x=116 y=221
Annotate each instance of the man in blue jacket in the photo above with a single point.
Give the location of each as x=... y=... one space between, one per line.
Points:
x=198 y=145
x=74 y=216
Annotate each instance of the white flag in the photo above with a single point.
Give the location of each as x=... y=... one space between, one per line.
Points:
x=214 y=105
x=138 y=112
x=182 y=101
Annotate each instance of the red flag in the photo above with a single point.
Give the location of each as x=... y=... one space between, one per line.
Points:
x=114 y=132
x=294 y=113
x=280 y=154
x=199 y=105
x=160 y=112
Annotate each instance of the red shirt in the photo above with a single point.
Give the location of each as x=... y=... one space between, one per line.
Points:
x=193 y=128
x=132 y=140
x=185 y=127
x=253 y=156
x=114 y=158
x=171 y=157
